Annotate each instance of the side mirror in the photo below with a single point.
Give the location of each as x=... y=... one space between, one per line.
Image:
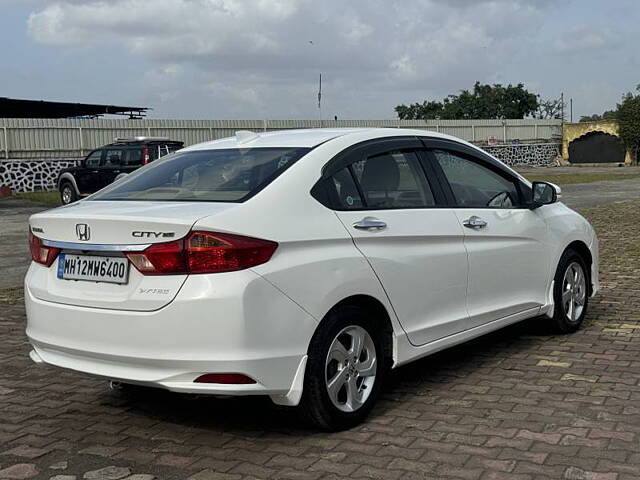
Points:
x=544 y=193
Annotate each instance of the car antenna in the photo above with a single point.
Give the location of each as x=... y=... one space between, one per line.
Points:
x=246 y=136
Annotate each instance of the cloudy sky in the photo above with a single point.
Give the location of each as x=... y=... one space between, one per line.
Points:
x=261 y=58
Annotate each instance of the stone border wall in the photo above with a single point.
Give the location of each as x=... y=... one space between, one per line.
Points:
x=527 y=154
x=34 y=175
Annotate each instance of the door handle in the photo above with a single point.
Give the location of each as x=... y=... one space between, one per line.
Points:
x=474 y=222
x=370 y=223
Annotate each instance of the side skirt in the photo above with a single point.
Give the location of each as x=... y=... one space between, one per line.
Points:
x=408 y=353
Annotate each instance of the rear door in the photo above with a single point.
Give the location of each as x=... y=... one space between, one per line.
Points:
x=505 y=240
x=390 y=207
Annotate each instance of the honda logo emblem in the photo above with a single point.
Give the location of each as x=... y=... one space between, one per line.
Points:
x=83 y=232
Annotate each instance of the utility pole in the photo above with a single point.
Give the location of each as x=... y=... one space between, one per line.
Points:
x=571 y=110
x=562 y=107
x=320 y=98
x=319 y=89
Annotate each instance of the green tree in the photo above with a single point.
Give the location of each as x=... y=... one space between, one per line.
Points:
x=608 y=115
x=422 y=110
x=628 y=116
x=484 y=101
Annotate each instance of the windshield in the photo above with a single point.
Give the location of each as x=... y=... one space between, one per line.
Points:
x=228 y=175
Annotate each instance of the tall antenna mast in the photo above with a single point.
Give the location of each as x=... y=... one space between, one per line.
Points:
x=320 y=97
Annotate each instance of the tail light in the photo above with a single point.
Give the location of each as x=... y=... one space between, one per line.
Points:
x=41 y=254
x=145 y=156
x=203 y=252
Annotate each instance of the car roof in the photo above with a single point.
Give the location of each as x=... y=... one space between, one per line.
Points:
x=307 y=137
x=141 y=144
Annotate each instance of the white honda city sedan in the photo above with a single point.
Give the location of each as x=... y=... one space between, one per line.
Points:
x=302 y=265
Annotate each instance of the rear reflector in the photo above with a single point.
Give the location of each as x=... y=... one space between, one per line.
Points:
x=203 y=252
x=41 y=254
x=225 y=378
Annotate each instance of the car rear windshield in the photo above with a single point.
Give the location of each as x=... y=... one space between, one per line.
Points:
x=226 y=175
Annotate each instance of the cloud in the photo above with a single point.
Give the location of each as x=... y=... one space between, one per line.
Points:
x=585 y=38
x=255 y=55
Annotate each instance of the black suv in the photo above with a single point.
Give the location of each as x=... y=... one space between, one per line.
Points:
x=106 y=164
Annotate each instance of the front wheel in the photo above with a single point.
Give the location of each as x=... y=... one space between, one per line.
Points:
x=570 y=292
x=67 y=194
x=345 y=369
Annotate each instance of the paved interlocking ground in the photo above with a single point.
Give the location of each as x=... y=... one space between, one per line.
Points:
x=517 y=404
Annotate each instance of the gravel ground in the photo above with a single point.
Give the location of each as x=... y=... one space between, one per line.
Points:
x=519 y=404
x=15 y=256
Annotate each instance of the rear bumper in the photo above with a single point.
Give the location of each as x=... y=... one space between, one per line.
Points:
x=276 y=374
x=243 y=326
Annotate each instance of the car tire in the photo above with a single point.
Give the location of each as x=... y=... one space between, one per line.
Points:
x=570 y=292
x=67 y=193
x=333 y=365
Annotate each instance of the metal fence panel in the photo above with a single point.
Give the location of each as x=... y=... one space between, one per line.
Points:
x=62 y=138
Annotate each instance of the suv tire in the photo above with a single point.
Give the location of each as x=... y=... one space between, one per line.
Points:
x=67 y=193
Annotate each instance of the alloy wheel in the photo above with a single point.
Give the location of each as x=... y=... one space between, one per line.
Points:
x=574 y=291
x=66 y=195
x=350 y=368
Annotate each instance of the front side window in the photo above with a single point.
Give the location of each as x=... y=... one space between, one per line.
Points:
x=475 y=185
x=226 y=175
x=393 y=180
x=93 y=159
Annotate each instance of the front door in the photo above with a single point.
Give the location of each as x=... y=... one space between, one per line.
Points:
x=415 y=248
x=88 y=175
x=509 y=261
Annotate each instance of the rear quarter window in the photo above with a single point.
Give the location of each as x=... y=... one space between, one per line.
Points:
x=133 y=158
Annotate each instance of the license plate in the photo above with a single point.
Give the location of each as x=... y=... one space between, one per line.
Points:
x=93 y=268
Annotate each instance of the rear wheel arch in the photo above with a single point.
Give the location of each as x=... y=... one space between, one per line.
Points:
x=340 y=386
x=379 y=314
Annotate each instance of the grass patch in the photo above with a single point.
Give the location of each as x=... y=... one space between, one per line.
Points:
x=48 y=198
x=571 y=178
